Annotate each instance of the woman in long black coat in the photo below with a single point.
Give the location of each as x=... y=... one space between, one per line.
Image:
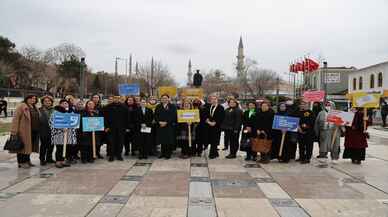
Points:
x=166 y=119
x=86 y=137
x=143 y=122
x=215 y=118
x=129 y=141
x=249 y=129
x=201 y=131
x=277 y=138
x=264 y=120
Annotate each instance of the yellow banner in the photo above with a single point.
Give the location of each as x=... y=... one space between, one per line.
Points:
x=366 y=100
x=188 y=116
x=169 y=90
x=192 y=93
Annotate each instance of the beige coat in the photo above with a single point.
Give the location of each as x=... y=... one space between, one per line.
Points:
x=21 y=125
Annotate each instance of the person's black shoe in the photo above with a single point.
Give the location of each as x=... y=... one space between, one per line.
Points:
x=167 y=157
x=99 y=156
x=358 y=162
x=224 y=149
x=91 y=161
x=230 y=156
x=133 y=153
x=305 y=162
x=126 y=153
x=161 y=156
x=120 y=158
x=111 y=159
x=43 y=163
x=297 y=160
x=50 y=161
x=321 y=156
x=83 y=161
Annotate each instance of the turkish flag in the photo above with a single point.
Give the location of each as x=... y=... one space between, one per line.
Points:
x=312 y=65
x=299 y=67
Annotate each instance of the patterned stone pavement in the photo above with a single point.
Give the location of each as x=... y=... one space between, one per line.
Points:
x=199 y=187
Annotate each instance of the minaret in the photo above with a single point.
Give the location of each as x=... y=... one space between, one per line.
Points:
x=189 y=75
x=240 y=59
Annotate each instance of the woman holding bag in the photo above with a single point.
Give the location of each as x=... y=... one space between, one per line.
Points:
x=249 y=130
x=25 y=126
x=264 y=119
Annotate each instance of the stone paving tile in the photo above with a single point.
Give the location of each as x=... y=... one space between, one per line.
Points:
x=114 y=199
x=233 y=207
x=80 y=181
x=103 y=164
x=257 y=173
x=105 y=209
x=201 y=207
x=158 y=183
x=342 y=208
x=291 y=212
x=272 y=190
x=124 y=188
x=324 y=187
x=199 y=171
x=200 y=190
x=368 y=191
x=230 y=176
x=24 y=185
x=48 y=205
x=138 y=171
x=139 y=206
x=198 y=160
x=175 y=165
x=226 y=168
x=236 y=189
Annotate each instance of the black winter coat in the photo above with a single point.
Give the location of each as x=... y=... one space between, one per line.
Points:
x=116 y=116
x=264 y=122
x=166 y=135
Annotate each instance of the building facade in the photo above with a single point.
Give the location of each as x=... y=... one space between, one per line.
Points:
x=372 y=78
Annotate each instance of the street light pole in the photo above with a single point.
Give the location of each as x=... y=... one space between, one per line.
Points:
x=82 y=80
x=277 y=90
x=324 y=79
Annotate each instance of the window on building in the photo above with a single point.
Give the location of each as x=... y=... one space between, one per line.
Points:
x=354 y=83
x=360 y=83
x=372 y=81
x=380 y=79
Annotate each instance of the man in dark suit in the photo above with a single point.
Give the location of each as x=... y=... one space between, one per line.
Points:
x=216 y=115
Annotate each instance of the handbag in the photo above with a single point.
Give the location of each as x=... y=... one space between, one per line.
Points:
x=262 y=145
x=245 y=144
x=14 y=143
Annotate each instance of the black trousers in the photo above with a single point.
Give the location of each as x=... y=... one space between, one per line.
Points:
x=59 y=153
x=226 y=139
x=46 y=149
x=306 y=145
x=144 y=143
x=129 y=142
x=166 y=150
x=214 y=140
x=5 y=112
x=86 y=152
x=384 y=119
x=23 y=158
x=232 y=138
x=116 y=137
x=196 y=148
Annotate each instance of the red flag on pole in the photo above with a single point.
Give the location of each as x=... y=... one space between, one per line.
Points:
x=312 y=65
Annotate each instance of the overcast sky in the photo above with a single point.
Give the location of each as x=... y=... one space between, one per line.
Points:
x=275 y=32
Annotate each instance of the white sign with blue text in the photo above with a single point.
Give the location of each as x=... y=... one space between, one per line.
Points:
x=65 y=120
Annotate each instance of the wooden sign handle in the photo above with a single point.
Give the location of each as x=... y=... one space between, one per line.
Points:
x=365 y=118
x=94 y=144
x=189 y=127
x=282 y=143
x=64 y=142
x=334 y=136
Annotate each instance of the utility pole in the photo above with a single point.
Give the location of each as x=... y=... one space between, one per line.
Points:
x=82 y=80
x=116 y=67
x=130 y=67
x=324 y=79
x=277 y=90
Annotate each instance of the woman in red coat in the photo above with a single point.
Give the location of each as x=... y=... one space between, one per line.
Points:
x=356 y=139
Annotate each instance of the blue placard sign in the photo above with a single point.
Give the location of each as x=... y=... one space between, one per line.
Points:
x=285 y=123
x=90 y=124
x=129 y=89
x=65 y=120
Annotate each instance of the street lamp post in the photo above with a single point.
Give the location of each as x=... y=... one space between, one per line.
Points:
x=82 y=80
x=325 y=79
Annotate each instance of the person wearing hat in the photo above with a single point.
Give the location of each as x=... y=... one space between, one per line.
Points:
x=46 y=148
x=25 y=125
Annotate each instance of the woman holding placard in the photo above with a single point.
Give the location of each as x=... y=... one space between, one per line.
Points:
x=183 y=132
x=277 y=140
x=329 y=139
x=86 y=137
x=58 y=136
x=143 y=122
x=356 y=138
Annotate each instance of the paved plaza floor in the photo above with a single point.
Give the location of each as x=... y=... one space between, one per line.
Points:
x=199 y=187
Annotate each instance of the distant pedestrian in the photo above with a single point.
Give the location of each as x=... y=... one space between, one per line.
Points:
x=3 y=106
x=384 y=111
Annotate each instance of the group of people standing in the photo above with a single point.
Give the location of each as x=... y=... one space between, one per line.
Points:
x=138 y=126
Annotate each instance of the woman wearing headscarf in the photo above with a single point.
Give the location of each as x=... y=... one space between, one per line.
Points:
x=232 y=127
x=166 y=118
x=46 y=148
x=326 y=131
x=25 y=125
x=57 y=136
x=264 y=119
x=277 y=139
x=356 y=138
x=249 y=129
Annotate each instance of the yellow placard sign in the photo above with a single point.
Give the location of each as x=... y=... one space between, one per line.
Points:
x=192 y=93
x=169 y=90
x=188 y=116
x=366 y=100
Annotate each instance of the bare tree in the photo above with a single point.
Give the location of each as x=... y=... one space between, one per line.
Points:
x=62 y=52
